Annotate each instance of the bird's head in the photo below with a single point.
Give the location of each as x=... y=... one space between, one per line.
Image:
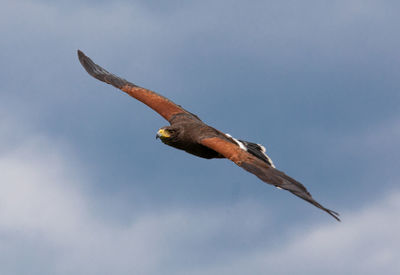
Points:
x=167 y=134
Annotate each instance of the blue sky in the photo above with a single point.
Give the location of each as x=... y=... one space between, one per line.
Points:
x=86 y=188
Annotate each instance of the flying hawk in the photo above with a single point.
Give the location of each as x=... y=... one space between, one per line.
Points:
x=187 y=132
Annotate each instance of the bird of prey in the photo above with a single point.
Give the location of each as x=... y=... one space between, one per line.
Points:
x=187 y=132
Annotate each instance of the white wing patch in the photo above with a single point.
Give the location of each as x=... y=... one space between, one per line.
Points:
x=241 y=145
x=255 y=149
x=264 y=151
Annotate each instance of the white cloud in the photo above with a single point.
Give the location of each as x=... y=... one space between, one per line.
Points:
x=366 y=242
x=45 y=214
x=46 y=222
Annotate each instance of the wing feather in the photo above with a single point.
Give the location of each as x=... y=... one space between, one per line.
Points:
x=158 y=103
x=264 y=172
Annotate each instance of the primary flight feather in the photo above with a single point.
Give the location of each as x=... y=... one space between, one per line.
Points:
x=187 y=132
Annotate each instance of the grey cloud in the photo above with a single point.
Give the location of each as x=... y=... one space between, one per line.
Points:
x=316 y=83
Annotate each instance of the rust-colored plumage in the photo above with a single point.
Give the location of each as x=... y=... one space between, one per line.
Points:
x=187 y=132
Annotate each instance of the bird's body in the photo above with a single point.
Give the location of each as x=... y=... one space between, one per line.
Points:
x=187 y=132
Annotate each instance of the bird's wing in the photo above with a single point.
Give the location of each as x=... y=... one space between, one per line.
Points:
x=264 y=172
x=158 y=103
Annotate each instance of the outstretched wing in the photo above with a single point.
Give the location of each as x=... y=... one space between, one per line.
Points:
x=158 y=103
x=264 y=172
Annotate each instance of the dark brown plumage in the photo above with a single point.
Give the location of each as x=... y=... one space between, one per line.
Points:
x=187 y=132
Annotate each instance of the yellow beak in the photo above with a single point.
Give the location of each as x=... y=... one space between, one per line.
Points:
x=162 y=133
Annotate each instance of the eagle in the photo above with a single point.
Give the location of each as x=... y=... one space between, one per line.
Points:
x=189 y=133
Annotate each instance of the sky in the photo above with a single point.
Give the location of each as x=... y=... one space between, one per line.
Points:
x=85 y=188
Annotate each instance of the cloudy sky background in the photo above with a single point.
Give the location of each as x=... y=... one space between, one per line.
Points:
x=86 y=189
